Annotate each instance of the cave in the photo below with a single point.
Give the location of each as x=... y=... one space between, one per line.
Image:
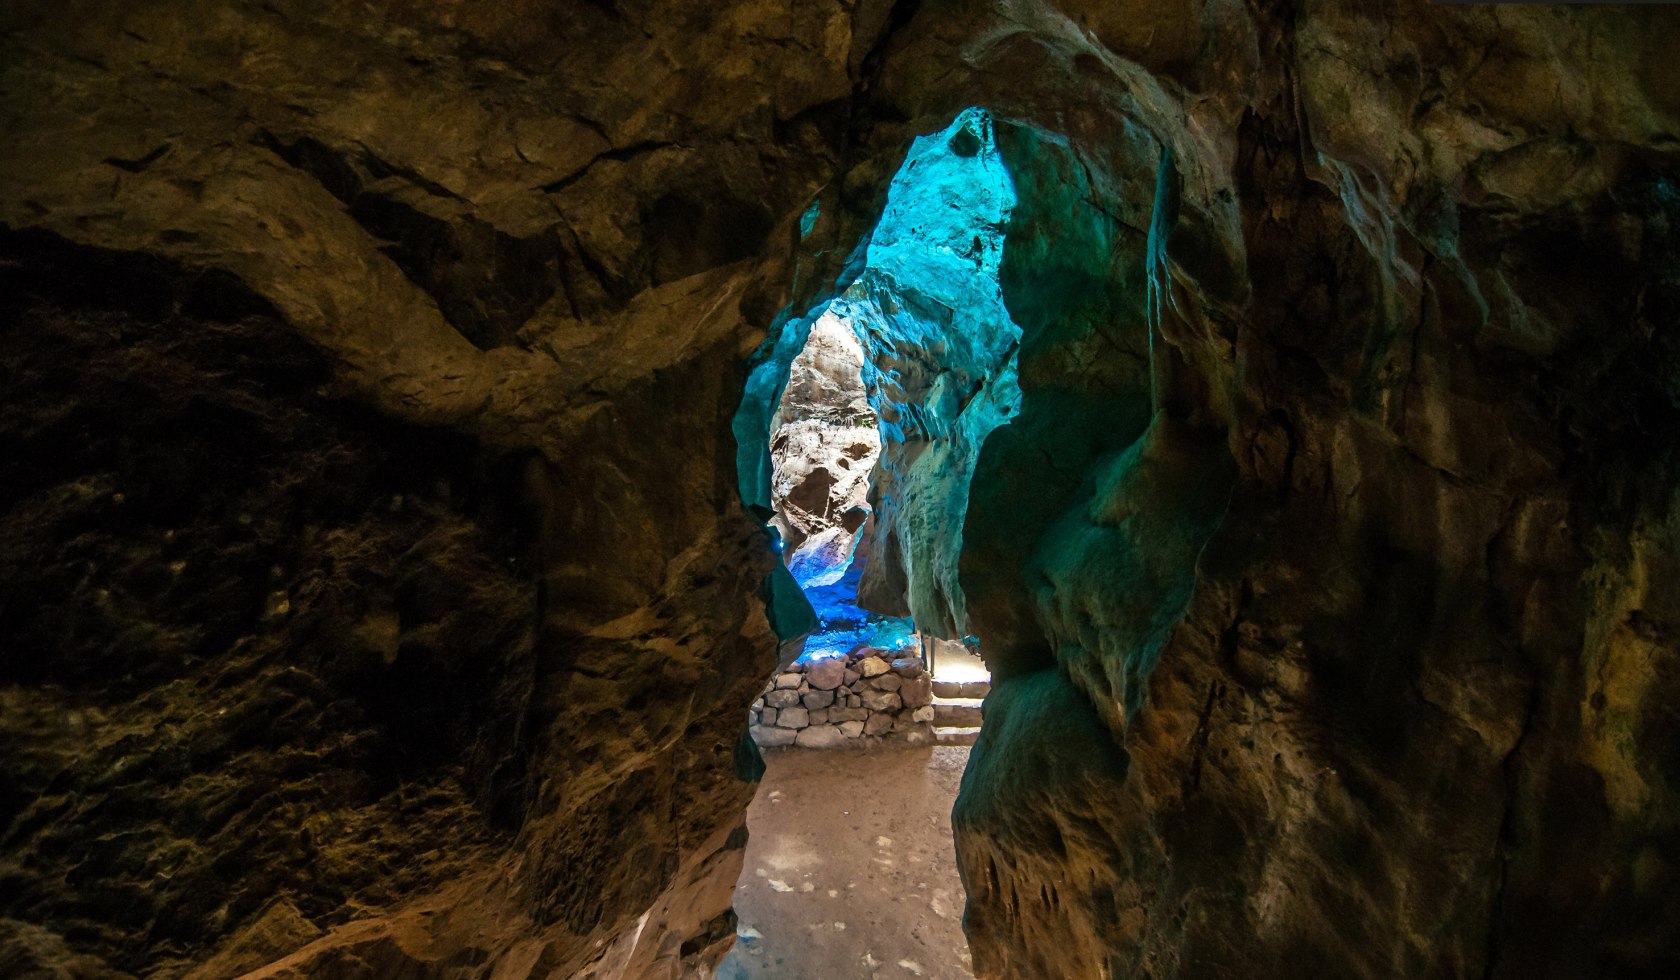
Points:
x=411 y=491
x=861 y=426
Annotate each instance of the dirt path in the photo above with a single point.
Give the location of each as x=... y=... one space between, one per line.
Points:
x=850 y=872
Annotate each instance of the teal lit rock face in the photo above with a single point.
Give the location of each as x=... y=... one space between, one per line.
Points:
x=929 y=309
x=939 y=353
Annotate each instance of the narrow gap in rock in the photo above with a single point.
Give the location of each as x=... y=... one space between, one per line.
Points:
x=891 y=386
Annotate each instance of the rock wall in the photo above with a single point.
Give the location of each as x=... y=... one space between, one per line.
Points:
x=365 y=452
x=377 y=599
x=853 y=699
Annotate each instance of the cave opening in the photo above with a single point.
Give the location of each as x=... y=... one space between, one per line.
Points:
x=859 y=434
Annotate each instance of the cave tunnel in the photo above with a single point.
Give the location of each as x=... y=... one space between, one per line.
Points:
x=872 y=439
x=490 y=490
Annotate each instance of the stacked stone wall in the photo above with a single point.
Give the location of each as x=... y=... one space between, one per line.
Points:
x=863 y=696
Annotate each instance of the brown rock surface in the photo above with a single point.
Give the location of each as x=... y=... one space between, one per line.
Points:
x=376 y=598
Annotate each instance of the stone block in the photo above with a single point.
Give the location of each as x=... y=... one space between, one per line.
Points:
x=907 y=667
x=922 y=715
x=851 y=729
x=850 y=677
x=771 y=738
x=782 y=698
x=847 y=714
x=794 y=718
x=819 y=716
x=827 y=674
x=882 y=701
x=854 y=701
x=820 y=737
x=887 y=682
x=917 y=691
x=879 y=723
x=872 y=666
x=818 y=699
x=767 y=717
x=786 y=681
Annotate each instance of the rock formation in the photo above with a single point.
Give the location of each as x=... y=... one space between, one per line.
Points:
x=382 y=589
x=824 y=443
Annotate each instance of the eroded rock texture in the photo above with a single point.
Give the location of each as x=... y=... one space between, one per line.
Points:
x=368 y=483
x=824 y=442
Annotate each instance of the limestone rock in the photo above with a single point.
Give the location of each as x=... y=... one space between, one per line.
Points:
x=826 y=674
x=879 y=723
x=368 y=447
x=817 y=716
x=789 y=680
x=851 y=729
x=818 y=699
x=886 y=682
x=922 y=715
x=917 y=691
x=782 y=698
x=881 y=701
x=872 y=666
x=820 y=737
x=793 y=718
x=907 y=666
x=774 y=737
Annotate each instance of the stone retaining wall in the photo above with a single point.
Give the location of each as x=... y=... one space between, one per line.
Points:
x=866 y=694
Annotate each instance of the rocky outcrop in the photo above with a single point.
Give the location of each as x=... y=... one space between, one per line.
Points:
x=344 y=495
x=823 y=446
x=376 y=599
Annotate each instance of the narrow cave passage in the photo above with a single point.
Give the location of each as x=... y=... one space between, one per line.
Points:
x=863 y=426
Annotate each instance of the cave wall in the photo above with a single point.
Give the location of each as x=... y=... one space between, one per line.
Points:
x=1326 y=573
x=368 y=481
x=1333 y=542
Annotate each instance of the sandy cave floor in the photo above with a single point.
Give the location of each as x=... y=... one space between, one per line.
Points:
x=850 y=871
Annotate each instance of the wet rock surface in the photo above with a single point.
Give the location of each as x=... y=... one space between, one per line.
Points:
x=375 y=594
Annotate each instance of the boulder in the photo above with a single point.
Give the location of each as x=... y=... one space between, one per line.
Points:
x=826 y=674
x=907 y=667
x=880 y=701
x=818 y=716
x=767 y=716
x=789 y=680
x=850 y=677
x=922 y=715
x=879 y=723
x=794 y=718
x=872 y=666
x=917 y=691
x=771 y=738
x=851 y=729
x=820 y=737
x=886 y=682
x=818 y=699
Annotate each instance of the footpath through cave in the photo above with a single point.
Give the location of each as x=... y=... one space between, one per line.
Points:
x=859 y=432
